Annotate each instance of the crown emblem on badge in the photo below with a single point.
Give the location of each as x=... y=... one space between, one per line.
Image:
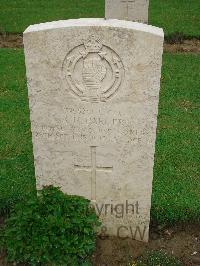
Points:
x=93 y=44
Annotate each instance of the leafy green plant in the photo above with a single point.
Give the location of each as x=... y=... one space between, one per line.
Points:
x=51 y=229
x=157 y=258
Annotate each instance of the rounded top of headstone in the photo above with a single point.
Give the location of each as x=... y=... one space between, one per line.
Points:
x=87 y=22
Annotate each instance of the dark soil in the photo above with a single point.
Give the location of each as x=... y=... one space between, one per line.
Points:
x=183 y=46
x=11 y=40
x=181 y=241
x=186 y=46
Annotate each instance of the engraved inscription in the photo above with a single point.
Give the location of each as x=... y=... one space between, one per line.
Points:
x=93 y=170
x=93 y=71
x=85 y=124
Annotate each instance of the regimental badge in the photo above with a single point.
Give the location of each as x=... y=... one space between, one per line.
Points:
x=93 y=71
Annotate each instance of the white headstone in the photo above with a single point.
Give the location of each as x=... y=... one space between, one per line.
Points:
x=134 y=10
x=93 y=95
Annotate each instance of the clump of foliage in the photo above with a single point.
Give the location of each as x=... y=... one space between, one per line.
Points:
x=50 y=229
x=157 y=258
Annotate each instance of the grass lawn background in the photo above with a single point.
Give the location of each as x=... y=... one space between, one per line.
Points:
x=176 y=188
x=173 y=15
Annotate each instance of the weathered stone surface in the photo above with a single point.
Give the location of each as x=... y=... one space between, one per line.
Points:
x=134 y=10
x=93 y=95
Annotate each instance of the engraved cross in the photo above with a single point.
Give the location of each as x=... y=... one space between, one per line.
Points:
x=93 y=170
x=127 y=2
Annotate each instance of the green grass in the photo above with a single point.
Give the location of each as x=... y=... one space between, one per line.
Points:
x=176 y=194
x=176 y=189
x=16 y=159
x=160 y=258
x=173 y=15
